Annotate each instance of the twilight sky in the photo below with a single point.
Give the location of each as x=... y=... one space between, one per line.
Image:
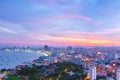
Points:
x=60 y=22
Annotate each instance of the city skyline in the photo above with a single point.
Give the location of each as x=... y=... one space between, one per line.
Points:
x=60 y=23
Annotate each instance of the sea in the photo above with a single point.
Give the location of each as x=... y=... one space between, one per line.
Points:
x=10 y=59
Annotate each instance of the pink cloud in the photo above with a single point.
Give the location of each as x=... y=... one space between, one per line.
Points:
x=73 y=16
x=51 y=19
x=77 y=38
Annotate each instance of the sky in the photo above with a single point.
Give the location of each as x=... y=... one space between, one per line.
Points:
x=60 y=22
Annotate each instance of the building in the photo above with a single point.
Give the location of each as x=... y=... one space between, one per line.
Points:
x=46 y=48
x=92 y=73
x=110 y=78
x=118 y=74
x=116 y=56
x=3 y=76
x=69 y=49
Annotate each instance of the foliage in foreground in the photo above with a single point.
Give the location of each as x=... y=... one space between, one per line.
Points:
x=57 y=71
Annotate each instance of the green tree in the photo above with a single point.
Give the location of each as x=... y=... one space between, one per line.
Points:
x=13 y=77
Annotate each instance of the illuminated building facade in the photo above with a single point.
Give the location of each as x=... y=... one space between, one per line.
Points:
x=118 y=74
x=93 y=73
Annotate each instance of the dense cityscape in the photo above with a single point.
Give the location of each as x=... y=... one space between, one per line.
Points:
x=59 y=39
x=77 y=63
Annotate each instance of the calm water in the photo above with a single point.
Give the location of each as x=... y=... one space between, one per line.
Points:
x=12 y=59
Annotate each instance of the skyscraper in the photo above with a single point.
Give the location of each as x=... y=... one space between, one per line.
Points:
x=46 y=48
x=69 y=49
x=118 y=74
x=93 y=73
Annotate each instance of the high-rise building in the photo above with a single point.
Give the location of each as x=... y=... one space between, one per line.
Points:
x=118 y=74
x=69 y=49
x=116 y=56
x=92 y=73
x=46 y=48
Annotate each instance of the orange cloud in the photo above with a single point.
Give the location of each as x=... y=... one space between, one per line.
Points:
x=86 y=39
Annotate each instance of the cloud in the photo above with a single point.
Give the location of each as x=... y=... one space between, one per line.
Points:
x=61 y=22
x=72 y=16
x=7 y=27
x=76 y=38
x=2 y=29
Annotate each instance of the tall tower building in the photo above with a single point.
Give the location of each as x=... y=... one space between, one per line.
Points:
x=118 y=74
x=92 y=73
x=46 y=48
x=69 y=49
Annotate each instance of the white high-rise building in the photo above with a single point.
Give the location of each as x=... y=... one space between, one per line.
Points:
x=116 y=56
x=118 y=74
x=93 y=73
